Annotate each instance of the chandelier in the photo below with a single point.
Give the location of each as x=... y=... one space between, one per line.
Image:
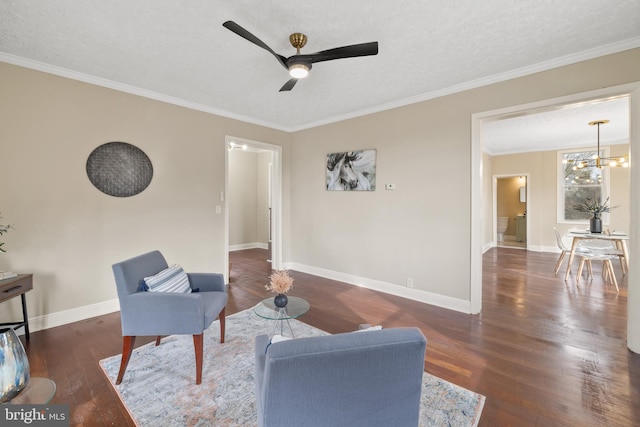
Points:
x=597 y=160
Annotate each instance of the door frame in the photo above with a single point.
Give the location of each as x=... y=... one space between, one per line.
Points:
x=276 y=198
x=477 y=170
x=495 y=179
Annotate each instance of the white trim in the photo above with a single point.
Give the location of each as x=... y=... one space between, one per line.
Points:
x=477 y=217
x=133 y=90
x=243 y=246
x=552 y=249
x=585 y=55
x=496 y=78
x=633 y=297
x=78 y=314
x=388 y=288
x=72 y=315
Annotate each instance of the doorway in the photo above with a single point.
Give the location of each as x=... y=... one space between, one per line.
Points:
x=253 y=192
x=478 y=200
x=510 y=211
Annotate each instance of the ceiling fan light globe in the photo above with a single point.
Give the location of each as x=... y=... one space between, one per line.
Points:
x=298 y=71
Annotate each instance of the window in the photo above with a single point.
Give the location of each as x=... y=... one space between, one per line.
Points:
x=576 y=183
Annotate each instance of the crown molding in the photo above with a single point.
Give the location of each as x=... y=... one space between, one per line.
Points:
x=574 y=58
x=133 y=90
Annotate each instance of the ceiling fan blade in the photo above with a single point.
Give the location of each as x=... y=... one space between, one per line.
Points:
x=289 y=85
x=230 y=25
x=352 y=51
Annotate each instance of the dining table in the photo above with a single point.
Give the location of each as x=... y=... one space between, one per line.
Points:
x=619 y=238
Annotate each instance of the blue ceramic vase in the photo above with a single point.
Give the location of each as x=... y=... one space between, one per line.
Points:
x=280 y=300
x=14 y=365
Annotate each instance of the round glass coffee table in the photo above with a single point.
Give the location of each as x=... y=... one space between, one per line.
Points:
x=295 y=308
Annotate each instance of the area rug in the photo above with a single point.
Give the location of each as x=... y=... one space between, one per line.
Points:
x=159 y=387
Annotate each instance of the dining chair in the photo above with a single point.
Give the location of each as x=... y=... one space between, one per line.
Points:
x=616 y=249
x=564 y=250
x=598 y=250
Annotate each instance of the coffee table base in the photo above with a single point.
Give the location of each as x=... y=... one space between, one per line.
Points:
x=295 y=308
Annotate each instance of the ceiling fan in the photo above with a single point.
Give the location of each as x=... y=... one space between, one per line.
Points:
x=300 y=64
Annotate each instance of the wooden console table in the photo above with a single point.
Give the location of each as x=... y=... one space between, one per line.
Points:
x=10 y=288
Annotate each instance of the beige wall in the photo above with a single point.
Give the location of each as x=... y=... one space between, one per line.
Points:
x=243 y=198
x=420 y=230
x=67 y=232
x=542 y=207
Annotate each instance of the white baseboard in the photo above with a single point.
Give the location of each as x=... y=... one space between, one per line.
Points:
x=389 y=288
x=532 y=248
x=86 y=312
x=69 y=316
x=243 y=246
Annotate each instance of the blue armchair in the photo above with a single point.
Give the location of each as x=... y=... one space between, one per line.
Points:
x=371 y=378
x=166 y=313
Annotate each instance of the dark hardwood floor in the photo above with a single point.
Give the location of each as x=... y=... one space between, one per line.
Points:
x=543 y=352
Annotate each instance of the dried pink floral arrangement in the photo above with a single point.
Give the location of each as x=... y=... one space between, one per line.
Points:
x=280 y=282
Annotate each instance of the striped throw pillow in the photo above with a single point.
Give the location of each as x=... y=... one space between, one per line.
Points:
x=172 y=279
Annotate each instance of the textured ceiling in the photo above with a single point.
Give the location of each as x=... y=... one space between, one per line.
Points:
x=179 y=52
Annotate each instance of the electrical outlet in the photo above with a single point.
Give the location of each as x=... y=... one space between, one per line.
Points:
x=409 y=282
x=390 y=186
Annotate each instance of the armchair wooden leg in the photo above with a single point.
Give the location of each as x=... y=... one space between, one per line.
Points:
x=221 y=316
x=158 y=338
x=127 y=349
x=198 y=346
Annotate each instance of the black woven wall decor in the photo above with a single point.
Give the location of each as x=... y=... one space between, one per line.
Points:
x=119 y=169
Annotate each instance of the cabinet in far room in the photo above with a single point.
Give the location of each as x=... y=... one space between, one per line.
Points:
x=521 y=228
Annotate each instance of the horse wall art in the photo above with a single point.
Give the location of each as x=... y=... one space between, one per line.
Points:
x=351 y=171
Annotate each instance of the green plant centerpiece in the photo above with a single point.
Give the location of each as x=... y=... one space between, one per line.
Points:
x=3 y=229
x=280 y=283
x=595 y=208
